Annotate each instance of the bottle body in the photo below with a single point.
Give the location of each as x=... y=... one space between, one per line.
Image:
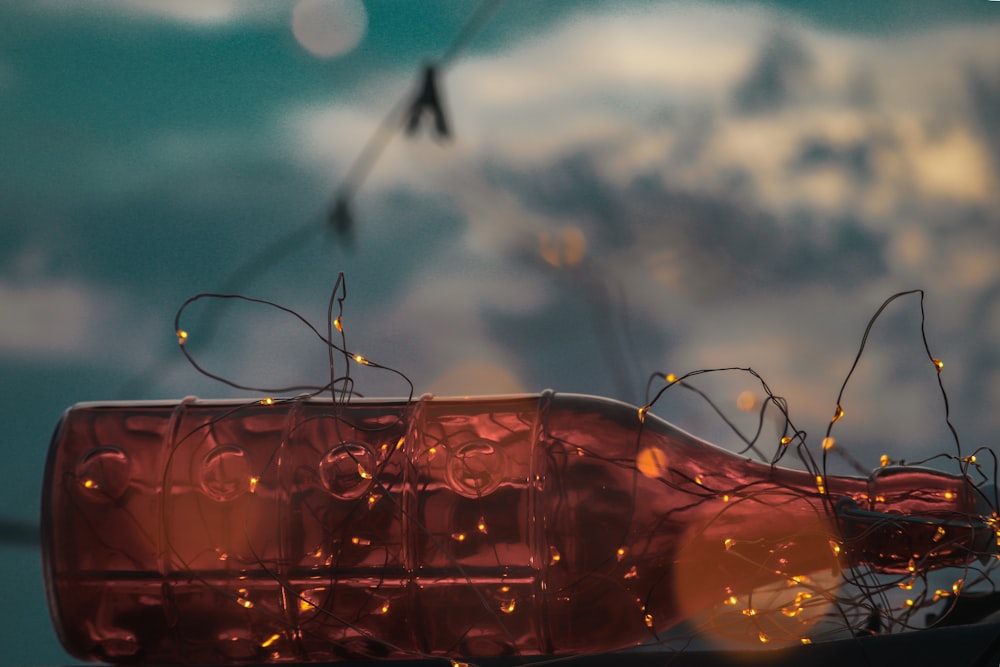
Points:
x=213 y=532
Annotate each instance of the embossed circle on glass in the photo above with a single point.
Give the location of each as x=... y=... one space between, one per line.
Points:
x=225 y=473
x=236 y=646
x=122 y=646
x=103 y=473
x=347 y=470
x=475 y=469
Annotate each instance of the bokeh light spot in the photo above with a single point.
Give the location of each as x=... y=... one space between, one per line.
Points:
x=746 y=401
x=329 y=28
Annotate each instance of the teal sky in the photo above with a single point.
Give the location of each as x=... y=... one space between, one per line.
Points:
x=631 y=187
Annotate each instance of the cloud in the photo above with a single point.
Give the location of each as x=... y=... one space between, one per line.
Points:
x=199 y=12
x=49 y=319
x=720 y=176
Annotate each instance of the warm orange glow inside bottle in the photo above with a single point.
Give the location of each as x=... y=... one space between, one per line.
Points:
x=210 y=532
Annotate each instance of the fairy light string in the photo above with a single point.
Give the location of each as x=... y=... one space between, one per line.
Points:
x=784 y=605
x=872 y=591
x=341 y=388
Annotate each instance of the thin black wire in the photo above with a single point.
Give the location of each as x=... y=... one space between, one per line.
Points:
x=473 y=26
x=282 y=247
x=391 y=124
x=930 y=356
x=338 y=295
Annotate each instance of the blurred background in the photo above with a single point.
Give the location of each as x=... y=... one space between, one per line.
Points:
x=617 y=188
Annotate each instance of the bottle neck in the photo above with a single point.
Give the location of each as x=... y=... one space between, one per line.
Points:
x=685 y=526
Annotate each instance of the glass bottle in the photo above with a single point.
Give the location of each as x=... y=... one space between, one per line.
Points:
x=213 y=532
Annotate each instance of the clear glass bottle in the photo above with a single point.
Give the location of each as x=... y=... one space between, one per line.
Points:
x=213 y=532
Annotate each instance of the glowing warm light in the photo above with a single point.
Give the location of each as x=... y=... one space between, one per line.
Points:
x=399 y=443
x=970 y=459
x=828 y=443
x=938 y=364
x=806 y=640
x=746 y=401
x=652 y=462
x=939 y=533
x=957 y=586
x=762 y=637
x=554 y=555
x=779 y=531
x=642 y=413
x=548 y=249
x=835 y=548
x=566 y=249
x=361 y=360
x=182 y=336
x=725 y=498
x=906 y=585
x=671 y=377
x=949 y=495
x=837 y=414
x=267 y=401
x=884 y=460
x=785 y=440
x=819 y=484
x=574 y=245
x=338 y=325
x=909 y=603
x=242 y=599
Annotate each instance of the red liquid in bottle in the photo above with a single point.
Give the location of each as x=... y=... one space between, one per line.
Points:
x=218 y=532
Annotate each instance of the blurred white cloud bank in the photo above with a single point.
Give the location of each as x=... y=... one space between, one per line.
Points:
x=750 y=188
